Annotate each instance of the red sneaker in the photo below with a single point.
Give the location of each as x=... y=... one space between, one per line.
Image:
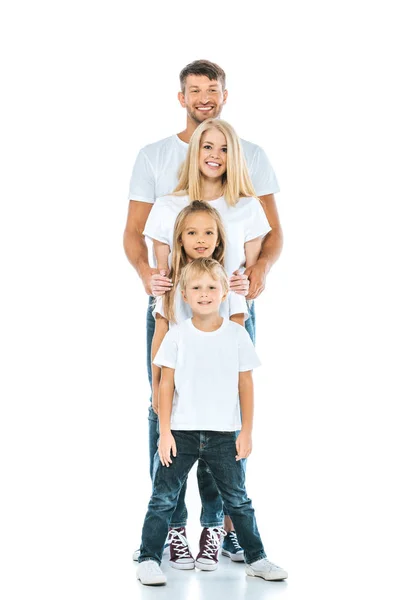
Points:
x=210 y=543
x=181 y=557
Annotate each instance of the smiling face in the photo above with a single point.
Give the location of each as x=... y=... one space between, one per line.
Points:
x=212 y=154
x=204 y=294
x=200 y=236
x=202 y=98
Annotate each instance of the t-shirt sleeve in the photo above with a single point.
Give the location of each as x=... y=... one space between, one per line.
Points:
x=262 y=174
x=248 y=358
x=237 y=305
x=257 y=223
x=143 y=185
x=157 y=222
x=159 y=307
x=167 y=354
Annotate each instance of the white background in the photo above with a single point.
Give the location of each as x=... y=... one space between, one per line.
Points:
x=86 y=84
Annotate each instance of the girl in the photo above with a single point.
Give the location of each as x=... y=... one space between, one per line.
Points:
x=198 y=232
x=216 y=173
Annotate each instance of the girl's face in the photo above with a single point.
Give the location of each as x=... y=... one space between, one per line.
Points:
x=212 y=155
x=199 y=236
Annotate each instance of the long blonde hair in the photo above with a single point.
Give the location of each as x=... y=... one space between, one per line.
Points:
x=179 y=257
x=236 y=180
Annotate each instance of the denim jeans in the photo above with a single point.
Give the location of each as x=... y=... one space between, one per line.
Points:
x=212 y=511
x=217 y=450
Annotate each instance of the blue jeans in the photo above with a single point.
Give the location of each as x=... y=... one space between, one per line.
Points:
x=217 y=450
x=212 y=511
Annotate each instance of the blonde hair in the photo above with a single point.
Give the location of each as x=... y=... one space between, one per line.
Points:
x=201 y=266
x=179 y=256
x=236 y=180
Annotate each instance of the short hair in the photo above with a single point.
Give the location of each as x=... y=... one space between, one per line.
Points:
x=202 y=67
x=200 y=266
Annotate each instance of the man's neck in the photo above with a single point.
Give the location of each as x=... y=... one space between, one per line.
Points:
x=187 y=133
x=207 y=323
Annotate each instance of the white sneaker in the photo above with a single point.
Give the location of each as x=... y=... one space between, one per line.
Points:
x=149 y=573
x=266 y=569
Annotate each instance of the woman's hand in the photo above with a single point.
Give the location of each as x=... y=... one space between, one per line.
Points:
x=244 y=445
x=160 y=283
x=239 y=283
x=165 y=445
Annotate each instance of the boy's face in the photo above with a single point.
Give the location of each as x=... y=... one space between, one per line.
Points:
x=202 y=98
x=200 y=235
x=204 y=294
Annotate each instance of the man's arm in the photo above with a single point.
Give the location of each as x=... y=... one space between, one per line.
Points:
x=162 y=252
x=270 y=250
x=135 y=245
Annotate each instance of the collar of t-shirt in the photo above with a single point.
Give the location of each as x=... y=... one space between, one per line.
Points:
x=208 y=333
x=181 y=142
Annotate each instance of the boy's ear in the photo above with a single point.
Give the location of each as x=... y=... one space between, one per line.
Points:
x=225 y=296
x=184 y=295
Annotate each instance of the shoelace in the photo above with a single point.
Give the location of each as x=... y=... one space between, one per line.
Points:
x=179 y=542
x=233 y=537
x=212 y=541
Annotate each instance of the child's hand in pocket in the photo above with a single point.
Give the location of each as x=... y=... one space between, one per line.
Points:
x=244 y=445
x=165 y=445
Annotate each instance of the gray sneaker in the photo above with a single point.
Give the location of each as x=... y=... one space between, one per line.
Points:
x=265 y=569
x=231 y=547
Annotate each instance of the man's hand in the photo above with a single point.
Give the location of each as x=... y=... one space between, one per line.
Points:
x=257 y=275
x=160 y=283
x=146 y=277
x=165 y=445
x=155 y=282
x=244 y=445
x=239 y=283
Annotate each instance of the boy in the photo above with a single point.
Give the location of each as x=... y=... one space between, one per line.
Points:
x=206 y=394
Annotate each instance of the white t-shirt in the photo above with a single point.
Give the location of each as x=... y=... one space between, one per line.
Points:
x=155 y=172
x=234 y=304
x=207 y=366
x=243 y=222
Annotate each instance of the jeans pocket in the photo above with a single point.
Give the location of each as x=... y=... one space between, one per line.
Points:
x=152 y=415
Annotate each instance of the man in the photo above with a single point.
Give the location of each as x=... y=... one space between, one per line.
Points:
x=155 y=174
